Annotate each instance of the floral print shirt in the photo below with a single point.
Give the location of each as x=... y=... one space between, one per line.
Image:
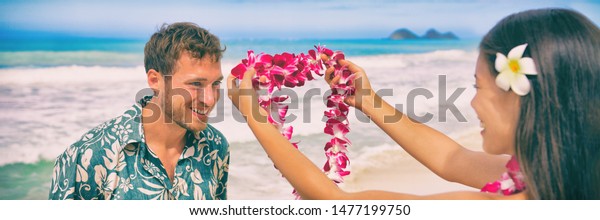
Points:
x=112 y=161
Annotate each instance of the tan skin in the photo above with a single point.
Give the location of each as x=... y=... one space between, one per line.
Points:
x=441 y=154
x=194 y=84
x=497 y=110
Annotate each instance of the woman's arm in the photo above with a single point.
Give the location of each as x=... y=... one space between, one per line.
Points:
x=438 y=152
x=308 y=180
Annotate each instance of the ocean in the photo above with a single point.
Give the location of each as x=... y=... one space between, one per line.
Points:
x=53 y=90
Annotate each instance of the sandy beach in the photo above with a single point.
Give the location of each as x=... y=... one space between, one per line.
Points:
x=399 y=172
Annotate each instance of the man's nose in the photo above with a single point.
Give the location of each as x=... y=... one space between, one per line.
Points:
x=208 y=96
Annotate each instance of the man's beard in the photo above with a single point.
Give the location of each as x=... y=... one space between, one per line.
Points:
x=178 y=117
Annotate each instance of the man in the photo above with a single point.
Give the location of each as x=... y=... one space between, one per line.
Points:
x=163 y=147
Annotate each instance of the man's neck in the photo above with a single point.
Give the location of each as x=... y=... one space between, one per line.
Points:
x=160 y=134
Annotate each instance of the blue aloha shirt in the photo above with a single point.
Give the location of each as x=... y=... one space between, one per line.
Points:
x=112 y=161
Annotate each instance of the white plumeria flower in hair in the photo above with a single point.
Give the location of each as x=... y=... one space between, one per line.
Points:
x=512 y=70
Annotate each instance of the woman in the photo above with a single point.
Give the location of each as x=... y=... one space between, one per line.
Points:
x=537 y=80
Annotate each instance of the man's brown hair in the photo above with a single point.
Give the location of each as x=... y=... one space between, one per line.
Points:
x=166 y=45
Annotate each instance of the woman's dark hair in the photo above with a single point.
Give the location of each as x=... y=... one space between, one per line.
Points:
x=557 y=140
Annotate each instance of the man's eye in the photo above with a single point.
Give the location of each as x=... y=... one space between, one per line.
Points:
x=196 y=84
x=217 y=83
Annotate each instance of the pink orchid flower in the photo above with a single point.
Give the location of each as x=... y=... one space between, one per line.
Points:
x=290 y=70
x=337 y=129
x=510 y=182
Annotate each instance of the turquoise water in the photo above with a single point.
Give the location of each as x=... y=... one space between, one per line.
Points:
x=350 y=47
x=42 y=114
x=26 y=180
x=129 y=52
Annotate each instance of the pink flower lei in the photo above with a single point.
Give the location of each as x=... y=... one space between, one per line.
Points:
x=290 y=70
x=511 y=182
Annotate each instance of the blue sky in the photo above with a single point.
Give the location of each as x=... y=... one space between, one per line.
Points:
x=268 y=19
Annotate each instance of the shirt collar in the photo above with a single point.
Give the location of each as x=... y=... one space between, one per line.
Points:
x=132 y=121
x=132 y=118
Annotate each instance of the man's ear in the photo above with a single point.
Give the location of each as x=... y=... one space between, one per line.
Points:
x=155 y=81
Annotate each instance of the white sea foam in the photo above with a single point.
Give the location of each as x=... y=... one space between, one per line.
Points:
x=46 y=109
x=61 y=58
x=52 y=107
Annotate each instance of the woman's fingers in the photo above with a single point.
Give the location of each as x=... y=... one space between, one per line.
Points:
x=231 y=82
x=351 y=66
x=247 y=80
x=324 y=57
x=331 y=80
x=232 y=86
x=329 y=74
x=360 y=81
x=336 y=80
x=244 y=87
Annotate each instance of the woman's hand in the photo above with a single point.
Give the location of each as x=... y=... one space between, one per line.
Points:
x=244 y=96
x=364 y=95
